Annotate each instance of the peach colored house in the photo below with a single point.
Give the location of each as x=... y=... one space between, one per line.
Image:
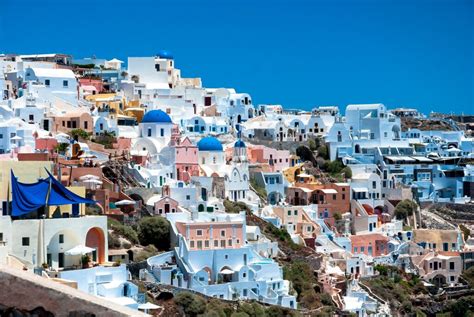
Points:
x=71 y=121
x=297 y=221
x=373 y=244
x=330 y=198
x=165 y=205
x=209 y=235
x=439 y=267
x=186 y=160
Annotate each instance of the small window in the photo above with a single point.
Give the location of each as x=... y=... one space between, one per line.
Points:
x=451 y=266
x=162 y=132
x=191 y=243
x=199 y=232
x=206 y=243
x=61 y=238
x=229 y=243
x=65 y=83
x=222 y=233
x=46 y=82
x=188 y=197
x=199 y=244
x=216 y=243
x=25 y=241
x=31 y=117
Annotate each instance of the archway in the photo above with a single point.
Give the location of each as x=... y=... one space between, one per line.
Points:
x=201 y=208
x=59 y=243
x=95 y=238
x=439 y=280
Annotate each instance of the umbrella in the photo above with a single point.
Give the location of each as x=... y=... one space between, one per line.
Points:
x=79 y=250
x=148 y=306
x=227 y=271
x=125 y=202
x=89 y=176
x=16 y=138
x=92 y=181
x=87 y=155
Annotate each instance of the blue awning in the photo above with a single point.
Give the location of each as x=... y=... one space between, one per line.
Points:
x=27 y=198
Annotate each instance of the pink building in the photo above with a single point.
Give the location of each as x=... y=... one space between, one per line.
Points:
x=46 y=144
x=165 y=205
x=209 y=235
x=374 y=244
x=186 y=160
x=277 y=160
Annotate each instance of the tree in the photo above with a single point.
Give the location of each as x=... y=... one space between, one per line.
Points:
x=61 y=148
x=79 y=134
x=156 y=231
x=304 y=153
x=405 y=209
x=312 y=145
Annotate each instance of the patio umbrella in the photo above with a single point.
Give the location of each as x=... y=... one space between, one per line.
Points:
x=87 y=155
x=89 y=176
x=125 y=202
x=16 y=138
x=148 y=306
x=92 y=181
x=79 y=250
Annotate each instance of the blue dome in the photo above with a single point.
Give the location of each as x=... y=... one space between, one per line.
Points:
x=165 y=54
x=240 y=144
x=209 y=144
x=156 y=116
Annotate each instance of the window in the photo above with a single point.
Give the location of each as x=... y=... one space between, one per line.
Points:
x=25 y=241
x=296 y=212
x=199 y=232
x=1 y=136
x=289 y=212
x=199 y=244
x=451 y=266
x=1 y=236
x=222 y=233
x=362 y=249
x=206 y=244
x=374 y=185
x=162 y=132
x=191 y=243
x=157 y=67
x=355 y=249
x=65 y=83
x=216 y=243
x=61 y=238
x=229 y=243
x=334 y=196
x=188 y=197
x=149 y=131
x=46 y=82
x=222 y=243
x=31 y=117
x=86 y=125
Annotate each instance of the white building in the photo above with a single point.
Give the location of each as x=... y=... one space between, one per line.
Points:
x=48 y=83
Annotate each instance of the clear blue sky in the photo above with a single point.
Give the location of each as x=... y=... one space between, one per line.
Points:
x=297 y=53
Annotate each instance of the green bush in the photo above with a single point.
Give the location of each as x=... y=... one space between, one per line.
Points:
x=234 y=207
x=124 y=231
x=155 y=231
x=79 y=133
x=323 y=151
x=113 y=241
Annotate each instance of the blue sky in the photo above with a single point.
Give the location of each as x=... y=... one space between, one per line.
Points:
x=297 y=53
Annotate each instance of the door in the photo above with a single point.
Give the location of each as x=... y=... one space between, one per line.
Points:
x=61 y=259
x=167 y=208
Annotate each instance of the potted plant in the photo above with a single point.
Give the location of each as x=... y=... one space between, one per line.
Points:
x=45 y=266
x=85 y=261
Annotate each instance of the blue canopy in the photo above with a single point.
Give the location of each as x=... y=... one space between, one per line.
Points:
x=27 y=198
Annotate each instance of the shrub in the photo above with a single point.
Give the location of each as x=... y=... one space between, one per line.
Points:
x=155 y=231
x=125 y=231
x=347 y=172
x=79 y=134
x=113 y=241
x=234 y=207
x=312 y=145
x=465 y=231
x=323 y=152
x=190 y=304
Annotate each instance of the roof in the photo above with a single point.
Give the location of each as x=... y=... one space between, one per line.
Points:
x=53 y=72
x=164 y=54
x=209 y=144
x=435 y=236
x=240 y=144
x=156 y=116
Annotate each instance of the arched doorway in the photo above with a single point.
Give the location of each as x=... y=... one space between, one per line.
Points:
x=95 y=238
x=201 y=208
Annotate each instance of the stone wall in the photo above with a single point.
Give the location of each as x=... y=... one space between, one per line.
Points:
x=25 y=291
